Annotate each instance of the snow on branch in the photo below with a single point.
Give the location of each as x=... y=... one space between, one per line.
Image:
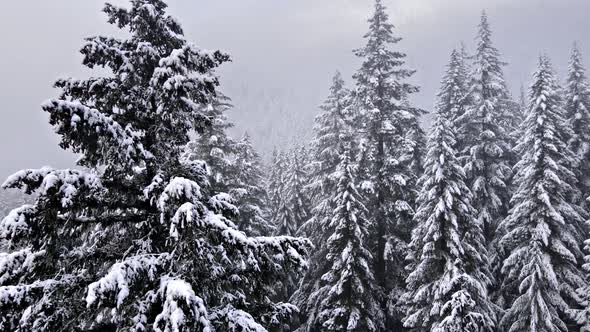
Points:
x=16 y=223
x=188 y=69
x=124 y=275
x=18 y=294
x=98 y=136
x=106 y=51
x=182 y=309
x=179 y=190
x=283 y=248
x=235 y=320
x=223 y=202
x=14 y=264
x=64 y=184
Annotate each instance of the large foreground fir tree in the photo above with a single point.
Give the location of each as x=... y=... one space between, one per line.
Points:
x=447 y=286
x=384 y=117
x=543 y=229
x=131 y=241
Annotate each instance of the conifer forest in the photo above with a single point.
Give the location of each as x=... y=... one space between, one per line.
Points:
x=472 y=215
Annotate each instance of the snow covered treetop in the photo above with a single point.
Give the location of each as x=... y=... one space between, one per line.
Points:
x=166 y=80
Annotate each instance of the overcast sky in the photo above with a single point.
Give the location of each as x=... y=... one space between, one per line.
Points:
x=284 y=54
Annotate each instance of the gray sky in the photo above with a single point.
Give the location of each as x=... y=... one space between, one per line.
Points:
x=284 y=51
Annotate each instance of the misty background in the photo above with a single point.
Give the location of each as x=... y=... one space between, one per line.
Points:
x=284 y=55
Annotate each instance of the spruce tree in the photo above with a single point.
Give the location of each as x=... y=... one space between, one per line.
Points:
x=248 y=190
x=577 y=113
x=447 y=286
x=522 y=104
x=542 y=231
x=332 y=131
x=486 y=145
x=213 y=146
x=275 y=183
x=386 y=177
x=132 y=240
x=294 y=210
x=351 y=300
x=455 y=91
x=282 y=217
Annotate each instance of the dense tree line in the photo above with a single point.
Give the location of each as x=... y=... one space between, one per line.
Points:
x=170 y=224
x=479 y=227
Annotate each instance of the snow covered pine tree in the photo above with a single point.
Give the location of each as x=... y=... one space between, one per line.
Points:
x=248 y=191
x=577 y=113
x=544 y=228
x=385 y=167
x=213 y=146
x=294 y=206
x=332 y=130
x=447 y=286
x=131 y=241
x=274 y=184
x=351 y=300
x=485 y=143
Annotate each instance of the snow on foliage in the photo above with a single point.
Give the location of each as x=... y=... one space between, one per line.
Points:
x=332 y=131
x=122 y=275
x=64 y=184
x=544 y=227
x=88 y=128
x=483 y=134
x=390 y=152
x=577 y=115
x=446 y=288
x=137 y=240
x=16 y=223
x=350 y=298
x=182 y=310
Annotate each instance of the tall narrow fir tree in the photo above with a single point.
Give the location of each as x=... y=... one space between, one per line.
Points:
x=381 y=96
x=485 y=142
x=447 y=286
x=542 y=231
x=332 y=132
x=351 y=300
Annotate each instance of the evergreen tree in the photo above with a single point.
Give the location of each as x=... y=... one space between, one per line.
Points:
x=387 y=179
x=465 y=60
x=281 y=214
x=351 y=300
x=332 y=129
x=248 y=190
x=455 y=91
x=577 y=113
x=331 y=133
x=486 y=145
x=542 y=231
x=447 y=286
x=213 y=146
x=413 y=149
x=522 y=104
x=132 y=241
x=583 y=315
x=294 y=210
x=275 y=183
